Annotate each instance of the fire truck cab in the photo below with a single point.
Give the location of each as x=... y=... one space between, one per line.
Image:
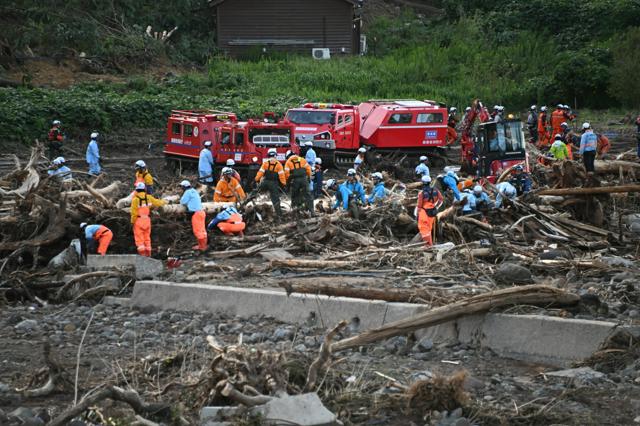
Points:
x=187 y=130
x=499 y=146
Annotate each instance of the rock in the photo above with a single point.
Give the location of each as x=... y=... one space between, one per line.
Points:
x=303 y=410
x=636 y=420
x=69 y=328
x=257 y=337
x=311 y=341
x=420 y=375
x=300 y=348
x=633 y=313
x=282 y=334
x=128 y=335
x=512 y=273
x=26 y=325
x=395 y=343
x=210 y=330
x=22 y=413
x=425 y=344
x=583 y=374
x=617 y=261
x=4 y=388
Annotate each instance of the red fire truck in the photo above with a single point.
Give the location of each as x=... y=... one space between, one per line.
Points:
x=246 y=142
x=386 y=126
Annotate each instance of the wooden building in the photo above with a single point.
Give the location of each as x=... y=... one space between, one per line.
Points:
x=253 y=26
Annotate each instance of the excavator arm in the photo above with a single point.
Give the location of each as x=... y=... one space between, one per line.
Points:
x=478 y=111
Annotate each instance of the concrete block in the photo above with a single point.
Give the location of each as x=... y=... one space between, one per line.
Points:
x=246 y=302
x=116 y=301
x=145 y=267
x=302 y=410
x=216 y=415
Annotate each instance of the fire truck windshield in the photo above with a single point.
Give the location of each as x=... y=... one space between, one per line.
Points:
x=311 y=117
x=505 y=137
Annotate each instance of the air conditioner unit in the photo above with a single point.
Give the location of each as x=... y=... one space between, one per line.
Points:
x=321 y=53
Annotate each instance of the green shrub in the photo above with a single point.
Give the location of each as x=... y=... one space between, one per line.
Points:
x=624 y=83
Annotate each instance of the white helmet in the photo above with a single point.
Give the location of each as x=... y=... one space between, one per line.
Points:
x=185 y=184
x=272 y=152
x=83 y=224
x=227 y=171
x=94 y=135
x=500 y=108
x=564 y=125
x=423 y=158
x=425 y=179
x=59 y=160
x=318 y=160
x=586 y=126
x=288 y=154
x=533 y=108
x=56 y=122
x=207 y=143
x=543 y=108
x=55 y=162
x=477 y=189
x=496 y=107
x=308 y=143
x=453 y=109
x=330 y=183
x=560 y=106
x=140 y=164
x=351 y=172
x=230 y=162
x=467 y=109
x=140 y=186
x=558 y=137
x=377 y=175
x=362 y=149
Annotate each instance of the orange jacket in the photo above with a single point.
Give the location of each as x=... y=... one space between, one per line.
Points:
x=270 y=167
x=228 y=191
x=542 y=122
x=294 y=163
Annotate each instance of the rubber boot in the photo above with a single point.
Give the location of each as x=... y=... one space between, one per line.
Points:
x=147 y=253
x=202 y=244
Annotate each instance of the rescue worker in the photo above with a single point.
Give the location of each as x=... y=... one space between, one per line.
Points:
x=310 y=155
x=558 y=116
x=379 y=192
x=429 y=200
x=318 y=174
x=483 y=202
x=141 y=205
x=588 y=147
x=520 y=180
x=532 y=124
x=505 y=190
x=93 y=155
x=559 y=149
x=499 y=117
x=452 y=135
x=205 y=164
x=61 y=171
x=350 y=194
x=230 y=163
x=228 y=189
x=143 y=175
x=360 y=157
x=467 y=183
x=468 y=202
x=570 y=139
x=270 y=177
x=422 y=169
x=191 y=200
x=297 y=174
x=229 y=221
x=450 y=181
x=467 y=110
x=98 y=238
x=494 y=113
x=543 y=133
x=603 y=145
x=55 y=138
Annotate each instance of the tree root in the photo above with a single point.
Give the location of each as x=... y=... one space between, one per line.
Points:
x=323 y=356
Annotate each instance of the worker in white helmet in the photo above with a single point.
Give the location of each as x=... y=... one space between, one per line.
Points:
x=360 y=158
x=143 y=175
x=543 y=131
x=422 y=169
x=309 y=154
x=93 y=155
x=429 y=201
x=230 y=163
x=55 y=139
x=379 y=191
x=532 y=124
x=60 y=170
x=141 y=206
x=482 y=200
x=271 y=178
x=316 y=180
x=205 y=164
x=191 y=200
x=350 y=195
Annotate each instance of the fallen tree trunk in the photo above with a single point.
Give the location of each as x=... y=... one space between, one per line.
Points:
x=107 y=191
x=590 y=191
x=527 y=295
x=388 y=295
x=610 y=166
x=308 y=263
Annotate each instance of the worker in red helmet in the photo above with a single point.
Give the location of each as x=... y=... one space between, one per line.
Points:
x=452 y=135
x=429 y=200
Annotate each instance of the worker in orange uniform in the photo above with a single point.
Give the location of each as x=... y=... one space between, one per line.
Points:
x=297 y=173
x=558 y=116
x=191 y=200
x=98 y=237
x=603 y=146
x=228 y=189
x=271 y=178
x=141 y=205
x=543 y=132
x=143 y=175
x=452 y=135
x=229 y=221
x=429 y=200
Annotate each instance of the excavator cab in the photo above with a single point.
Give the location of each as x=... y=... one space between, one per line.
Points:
x=499 y=146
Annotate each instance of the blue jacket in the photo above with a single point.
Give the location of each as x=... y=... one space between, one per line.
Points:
x=379 y=193
x=588 y=142
x=191 y=199
x=483 y=197
x=521 y=182
x=90 y=231
x=63 y=173
x=222 y=216
x=452 y=183
x=93 y=153
x=310 y=157
x=205 y=164
x=348 y=189
x=470 y=205
x=422 y=170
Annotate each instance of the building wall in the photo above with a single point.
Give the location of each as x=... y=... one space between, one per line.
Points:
x=290 y=25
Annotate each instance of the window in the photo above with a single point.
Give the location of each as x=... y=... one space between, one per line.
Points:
x=311 y=117
x=176 y=129
x=340 y=119
x=348 y=118
x=188 y=130
x=225 y=138
x=239 y=138
x=428 y=117
x=399 y=118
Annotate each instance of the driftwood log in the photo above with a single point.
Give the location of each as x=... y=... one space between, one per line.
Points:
x=528 y=295
x=386 y=294
x=590 y=191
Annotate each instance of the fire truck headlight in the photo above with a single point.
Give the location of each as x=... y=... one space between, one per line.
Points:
x=254 y=159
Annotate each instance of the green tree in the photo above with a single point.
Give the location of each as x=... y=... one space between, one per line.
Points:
x=624 y=83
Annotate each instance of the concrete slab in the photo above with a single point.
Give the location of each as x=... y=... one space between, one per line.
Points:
x=302 y=410
x=245 y=302
x=145 y=267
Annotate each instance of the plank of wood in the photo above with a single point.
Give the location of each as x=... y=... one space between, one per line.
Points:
x=590 y=191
